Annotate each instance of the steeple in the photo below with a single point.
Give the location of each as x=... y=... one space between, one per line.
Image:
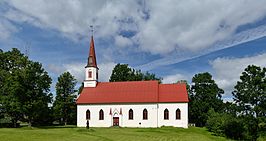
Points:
x=91 y=69
x=92 y=57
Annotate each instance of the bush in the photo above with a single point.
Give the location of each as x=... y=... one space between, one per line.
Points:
x=234 y=129
x=215 y=123
x=238 y=128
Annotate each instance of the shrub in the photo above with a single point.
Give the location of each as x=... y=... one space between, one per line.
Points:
x=234 y=129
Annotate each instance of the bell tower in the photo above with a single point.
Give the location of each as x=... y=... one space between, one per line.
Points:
x=91 y=70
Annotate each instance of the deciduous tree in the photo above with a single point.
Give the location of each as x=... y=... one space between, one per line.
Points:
x=65 y=103
x=122 y=72
x=205 y=94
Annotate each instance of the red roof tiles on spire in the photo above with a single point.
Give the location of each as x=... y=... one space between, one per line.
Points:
x=92 y=57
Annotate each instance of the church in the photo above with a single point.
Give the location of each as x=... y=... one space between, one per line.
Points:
x=130 y=103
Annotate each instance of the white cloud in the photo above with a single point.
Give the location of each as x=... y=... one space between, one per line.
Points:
x=160 y=26
x=228 y=70
x=195 y=25
x=174 y=78
x=6 y=29
x=121 y=41
x=78 y=70
x=105 y=71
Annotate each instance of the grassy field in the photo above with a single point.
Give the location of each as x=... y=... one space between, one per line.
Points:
x=71 y=133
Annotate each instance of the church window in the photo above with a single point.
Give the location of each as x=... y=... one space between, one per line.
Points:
x=90 y=74
x=178 y=114
x=166 y=114
x=101 y=115
x=130 y=114
x=88 y=115
x=145 y=114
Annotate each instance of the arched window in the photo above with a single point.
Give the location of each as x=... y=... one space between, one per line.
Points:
x=101 y=115
x=166 y=114
x=130 y=114
x=178 y=114
x=145 y=114
x=88 y=115
x=90 y=74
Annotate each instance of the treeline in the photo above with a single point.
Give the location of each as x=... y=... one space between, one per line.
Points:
x=25 y=93
x=242 y=119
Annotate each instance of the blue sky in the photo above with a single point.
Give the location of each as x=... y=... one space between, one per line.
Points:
x=173 y=39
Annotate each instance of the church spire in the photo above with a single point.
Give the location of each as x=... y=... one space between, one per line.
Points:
x=92 y=57
x=91 y=70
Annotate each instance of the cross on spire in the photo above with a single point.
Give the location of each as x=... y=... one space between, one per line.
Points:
x=91 y=29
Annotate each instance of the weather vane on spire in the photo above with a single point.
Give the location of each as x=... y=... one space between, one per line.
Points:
x=91 y=28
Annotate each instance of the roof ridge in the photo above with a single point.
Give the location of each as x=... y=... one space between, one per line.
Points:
x=144 y=81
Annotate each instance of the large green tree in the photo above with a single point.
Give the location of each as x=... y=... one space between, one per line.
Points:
x=65 y=104
x=122 y=72
x=250 y=97
x=204 y=95
x=11 y=64
x=36 y=83
x=250 y=91
x=24 y=87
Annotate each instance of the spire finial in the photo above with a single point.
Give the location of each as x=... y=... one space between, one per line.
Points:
x=91 y=29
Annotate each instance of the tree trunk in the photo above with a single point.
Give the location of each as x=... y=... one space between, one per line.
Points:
x=14 y=123
x=29 y=123
x=65 y=122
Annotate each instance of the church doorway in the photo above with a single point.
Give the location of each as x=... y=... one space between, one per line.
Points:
x=115 y=121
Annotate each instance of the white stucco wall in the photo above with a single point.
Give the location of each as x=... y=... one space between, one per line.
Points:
x=172 y=121
x=90 y=82
x=155 y=115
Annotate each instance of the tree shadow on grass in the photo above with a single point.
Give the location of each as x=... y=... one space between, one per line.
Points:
x=48 y=127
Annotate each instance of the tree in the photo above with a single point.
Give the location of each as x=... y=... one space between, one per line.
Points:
x=36 y=83
x=250 y=98
x=81 y=88
x=65 y=104
x=12 y=62
x=204 y=95
x=250 y=91
x=24 y=87
x=122 y=72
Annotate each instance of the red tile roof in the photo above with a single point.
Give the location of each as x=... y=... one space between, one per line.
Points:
x=92 y=55
x=133 y=92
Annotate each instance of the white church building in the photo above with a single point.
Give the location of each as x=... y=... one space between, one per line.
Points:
x=131 y=103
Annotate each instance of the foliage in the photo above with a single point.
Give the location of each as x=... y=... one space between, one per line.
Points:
x=65 y=103
x=224 y=124
x=81 y=88
x=250 y=98
x=245 y=118
x=250 y=91
x=122 y=72
x=204 y=95
x=24 y=87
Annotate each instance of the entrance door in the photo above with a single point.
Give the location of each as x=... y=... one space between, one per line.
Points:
x=115 y=121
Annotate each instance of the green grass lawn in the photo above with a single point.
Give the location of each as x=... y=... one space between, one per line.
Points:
x=71 y=133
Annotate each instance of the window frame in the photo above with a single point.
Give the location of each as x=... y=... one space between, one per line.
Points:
x=145 y=114
x=101 y=115
x=178 y=114
x=130 y=114
x=166 y=114
x=88 y=114
x=90 y=74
